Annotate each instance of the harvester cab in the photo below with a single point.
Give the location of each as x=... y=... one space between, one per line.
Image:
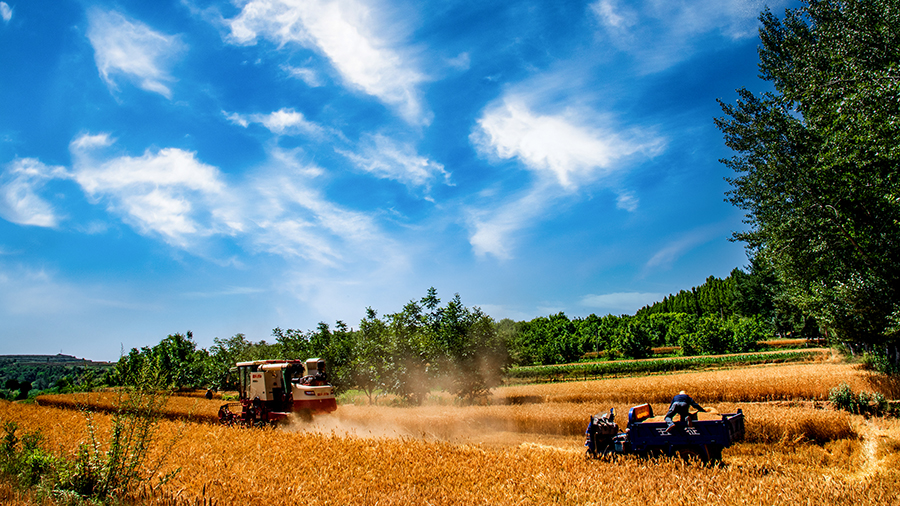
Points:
x=271 y=390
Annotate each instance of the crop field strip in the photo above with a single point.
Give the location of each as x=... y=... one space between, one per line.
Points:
x=518 y=452
x=593 y=370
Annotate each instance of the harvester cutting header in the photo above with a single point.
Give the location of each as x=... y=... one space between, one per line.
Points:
x=271 y=390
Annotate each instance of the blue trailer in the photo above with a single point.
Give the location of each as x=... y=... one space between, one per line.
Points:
x=703 y=439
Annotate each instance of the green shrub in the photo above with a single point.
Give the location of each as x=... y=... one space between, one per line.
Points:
x=23 y=459
x=879 y=362
x=863 y=403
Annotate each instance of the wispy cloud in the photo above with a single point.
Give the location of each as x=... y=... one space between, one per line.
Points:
x=627 y=201
x=309 y=76
x=388 y=158
x=132 y=50
x=6 y=12
x=344 y=32
x=621 y=302
x=294 y=219
x=661 y=33
x=278 y=209
x=494 y=228
x=281 y=122
x=20 y=201
x=675 y=249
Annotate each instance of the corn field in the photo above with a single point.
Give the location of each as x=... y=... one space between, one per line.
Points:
x=525 y=448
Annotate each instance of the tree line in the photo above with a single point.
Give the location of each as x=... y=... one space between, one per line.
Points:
x=460 y=349
x=720 y=316
x=423 y=346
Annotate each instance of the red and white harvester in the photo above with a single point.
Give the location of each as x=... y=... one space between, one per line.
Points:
x=270 y=391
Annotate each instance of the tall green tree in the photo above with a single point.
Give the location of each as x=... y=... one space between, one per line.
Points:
x=371 y=364
x=817 y=165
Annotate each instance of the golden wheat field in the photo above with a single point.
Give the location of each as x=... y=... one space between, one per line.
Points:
x=524 y=448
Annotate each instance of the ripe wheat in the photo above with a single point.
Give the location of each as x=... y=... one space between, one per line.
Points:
x=264 y=466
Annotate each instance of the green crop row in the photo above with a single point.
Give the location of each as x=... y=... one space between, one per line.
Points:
x=630 y=367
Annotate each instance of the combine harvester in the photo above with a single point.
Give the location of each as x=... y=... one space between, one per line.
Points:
x=701 y=439
x=270 y=391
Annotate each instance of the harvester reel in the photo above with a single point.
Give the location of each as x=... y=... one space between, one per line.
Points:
x=228 y=417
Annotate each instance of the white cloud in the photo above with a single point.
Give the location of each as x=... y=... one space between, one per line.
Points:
x=19 y=199
x=386 y=158
x=551 y=145
x=281 y=122
x=679 y=18
x=563 y=150
x=626 y=302
x=5 y=12
x=90 y=141
x=171 y=195
x=168 y=191
x=131 y=49
x=461 y=62
x=342 y=31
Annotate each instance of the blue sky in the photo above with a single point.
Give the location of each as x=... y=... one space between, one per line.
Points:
x=236 y=166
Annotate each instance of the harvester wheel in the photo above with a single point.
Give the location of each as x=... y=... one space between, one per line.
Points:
x=715 y=453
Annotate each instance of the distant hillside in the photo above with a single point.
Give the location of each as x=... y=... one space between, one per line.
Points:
x=24 y=374
x=50 y=360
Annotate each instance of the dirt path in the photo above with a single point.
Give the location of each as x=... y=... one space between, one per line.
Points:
x=880 y=446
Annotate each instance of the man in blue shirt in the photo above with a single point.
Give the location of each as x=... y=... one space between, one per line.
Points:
x=681 y=405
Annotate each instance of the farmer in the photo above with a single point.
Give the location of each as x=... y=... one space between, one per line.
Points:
x=321 y=377
x=681 y=405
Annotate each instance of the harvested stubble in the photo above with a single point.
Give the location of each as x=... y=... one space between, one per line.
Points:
x=240 y=466
x=749 y=384
x=764 y=423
